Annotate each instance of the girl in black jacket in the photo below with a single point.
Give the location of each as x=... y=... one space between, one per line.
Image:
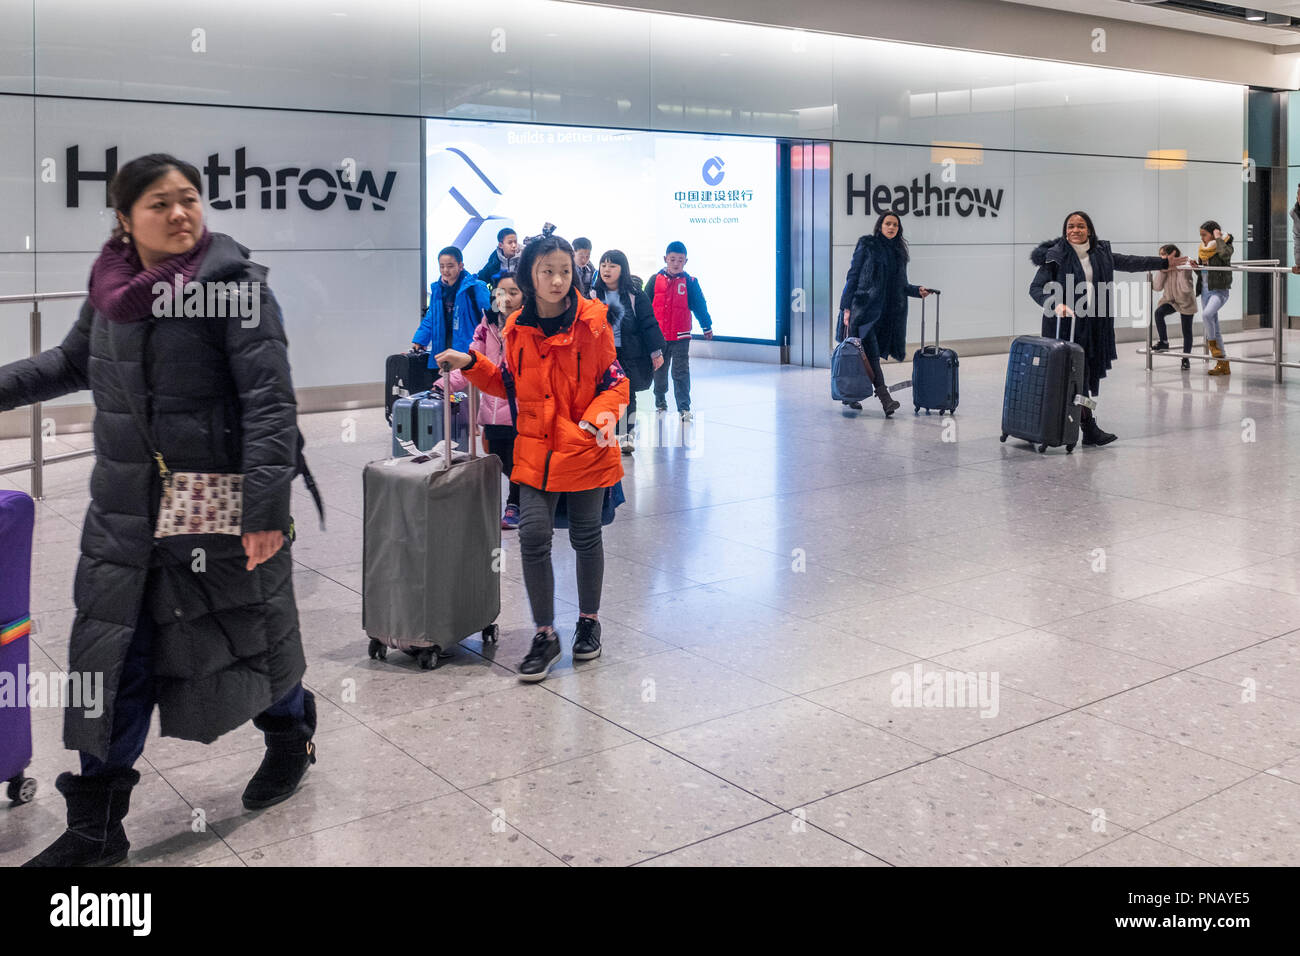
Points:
x=1076 y=274
x=874 y=300
x=637 y=336
x=199 y=408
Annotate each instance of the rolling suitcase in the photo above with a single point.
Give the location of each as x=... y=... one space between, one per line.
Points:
x=429 y=420
x=934 y=371
x=1044 y=386
x=850 y=374
x=417 y=420
x=17 y=518
x=431 y=551
x=404 y=375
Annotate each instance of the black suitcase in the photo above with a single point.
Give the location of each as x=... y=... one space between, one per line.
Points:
x=405 y=375
x=934 y=371
x=1044 y=379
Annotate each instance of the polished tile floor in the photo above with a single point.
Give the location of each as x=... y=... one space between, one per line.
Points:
x=829 y=639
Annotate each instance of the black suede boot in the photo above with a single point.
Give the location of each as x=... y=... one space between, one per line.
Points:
x=1092 y=433
x=289 y=752
x=96 y=808
x=888 y=404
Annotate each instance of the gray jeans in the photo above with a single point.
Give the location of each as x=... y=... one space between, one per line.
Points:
x=677 y=359
x=536 y=528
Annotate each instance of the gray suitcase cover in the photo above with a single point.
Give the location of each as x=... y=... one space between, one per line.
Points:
x=431 y=550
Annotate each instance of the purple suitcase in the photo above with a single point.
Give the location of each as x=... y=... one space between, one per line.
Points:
x=17 y=518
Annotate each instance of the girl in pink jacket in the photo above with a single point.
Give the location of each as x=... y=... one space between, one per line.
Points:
x=494 y=413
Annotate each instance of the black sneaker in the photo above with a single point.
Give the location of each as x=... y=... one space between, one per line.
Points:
x=586 y=640
x=541 y=657
x=1185 y=364
x=1160 y=347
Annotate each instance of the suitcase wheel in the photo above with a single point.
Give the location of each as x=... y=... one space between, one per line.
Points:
x=427 y=658
x=490 y=634
x=1004 y=437
x=1069 y=448
x=378 y=651
x=1042 y=449
x=22 y=789
x=916 y=409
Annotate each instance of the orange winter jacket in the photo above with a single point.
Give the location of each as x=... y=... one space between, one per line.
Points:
x=570 y=377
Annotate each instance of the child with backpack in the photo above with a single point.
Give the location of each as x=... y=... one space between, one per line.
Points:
x=494 y=413
x=675 y=296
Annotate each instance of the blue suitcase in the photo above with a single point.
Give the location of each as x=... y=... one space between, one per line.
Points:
x=934 y=371
x=17 y=518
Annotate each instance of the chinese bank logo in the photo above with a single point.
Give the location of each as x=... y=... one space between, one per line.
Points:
x=712 y=171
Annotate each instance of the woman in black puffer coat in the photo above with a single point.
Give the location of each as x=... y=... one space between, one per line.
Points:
x=638 y=339
x=203 y=625
x=1075 y=278
x=874 y=301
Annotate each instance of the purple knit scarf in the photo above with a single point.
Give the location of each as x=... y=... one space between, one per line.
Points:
x=121 y=288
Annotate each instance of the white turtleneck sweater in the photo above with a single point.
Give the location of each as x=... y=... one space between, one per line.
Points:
x=1082 y=252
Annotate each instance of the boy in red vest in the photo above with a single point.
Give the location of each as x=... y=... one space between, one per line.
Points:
x=675 y=295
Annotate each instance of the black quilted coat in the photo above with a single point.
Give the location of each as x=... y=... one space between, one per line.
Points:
x=218 y=397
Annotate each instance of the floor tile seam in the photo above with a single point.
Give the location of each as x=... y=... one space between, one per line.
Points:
x=641 y=739
x=243 y=750
x=1146 y=836
x=1021 y=624
x=1086 y=811
x=789 y=813
x=398 y=809
x=1152 y=660
x=703 y=840
x=180 y=796
x=1213 y=756
x=1173 y=813
x=1197 y=577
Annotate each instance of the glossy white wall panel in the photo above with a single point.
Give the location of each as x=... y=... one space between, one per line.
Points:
x=59 y=273
x=710 y=76
x=1198 y=192
x=1120 y=195
x=1078 y=109
x=16 y=49
x=345 y=313
x=531 y=60
x=273 y=140
x=915 y=94
x=17 y=276
x=992 y=178
x=289 y=53
x=17 y=229
x=1203 y=119
x=975 y=279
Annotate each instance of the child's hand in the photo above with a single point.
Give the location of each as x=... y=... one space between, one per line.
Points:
x=708 y=333
x=457 y=360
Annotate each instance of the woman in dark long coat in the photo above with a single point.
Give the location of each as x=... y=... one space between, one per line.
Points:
x=873 y=304
x=202 y=624
x=638 y=340
x=1074 y=282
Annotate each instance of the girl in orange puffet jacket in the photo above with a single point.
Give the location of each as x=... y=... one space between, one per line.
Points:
x=568 y=392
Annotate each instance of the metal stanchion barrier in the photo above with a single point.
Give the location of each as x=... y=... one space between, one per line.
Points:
x=36 y=464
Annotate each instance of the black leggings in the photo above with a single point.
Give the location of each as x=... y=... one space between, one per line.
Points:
x=1168 y=309
x=500 y=440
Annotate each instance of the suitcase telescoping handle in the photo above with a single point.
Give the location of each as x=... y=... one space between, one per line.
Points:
x=445 y=368
x=936 y=320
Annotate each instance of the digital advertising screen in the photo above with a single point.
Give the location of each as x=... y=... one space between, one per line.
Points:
x=627 y=190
